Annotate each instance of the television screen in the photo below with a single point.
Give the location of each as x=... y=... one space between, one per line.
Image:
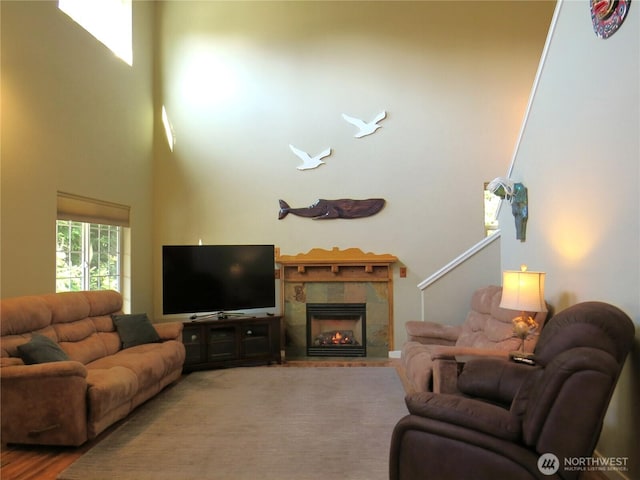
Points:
x=217 y=278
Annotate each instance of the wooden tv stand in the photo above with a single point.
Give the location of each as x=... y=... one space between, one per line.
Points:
x=232 y=342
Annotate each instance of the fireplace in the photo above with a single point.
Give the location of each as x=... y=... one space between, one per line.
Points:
x=337 y=277
x=336 y=329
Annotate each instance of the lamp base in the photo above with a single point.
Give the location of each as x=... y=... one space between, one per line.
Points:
x=522 y=357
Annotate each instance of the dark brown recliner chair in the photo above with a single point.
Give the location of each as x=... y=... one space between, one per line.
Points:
x=510 y=414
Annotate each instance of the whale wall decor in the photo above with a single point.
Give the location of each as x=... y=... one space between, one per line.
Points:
x=327 y=209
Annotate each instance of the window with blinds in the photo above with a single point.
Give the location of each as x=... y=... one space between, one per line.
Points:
x=89 y=243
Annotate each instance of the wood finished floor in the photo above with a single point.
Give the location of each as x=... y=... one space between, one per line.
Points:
x=35 y=462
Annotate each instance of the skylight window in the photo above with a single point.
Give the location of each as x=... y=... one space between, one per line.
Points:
x=168 y=129
x=110 y=21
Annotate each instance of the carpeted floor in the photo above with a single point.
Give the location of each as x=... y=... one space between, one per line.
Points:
x=265 y=423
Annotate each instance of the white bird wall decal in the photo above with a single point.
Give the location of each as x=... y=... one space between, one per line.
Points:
x=309 y=162
x=365 y=128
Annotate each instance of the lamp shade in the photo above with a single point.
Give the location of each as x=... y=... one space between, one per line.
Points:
x=523 y=290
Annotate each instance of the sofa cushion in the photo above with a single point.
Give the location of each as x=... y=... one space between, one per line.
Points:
x=24 y=315
x=41 y=349
x=135 y=329
x=109 y=388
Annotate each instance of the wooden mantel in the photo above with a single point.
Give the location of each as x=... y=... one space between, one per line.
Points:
x=351 y=264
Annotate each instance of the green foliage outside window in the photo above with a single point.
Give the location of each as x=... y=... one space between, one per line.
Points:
x=87 y=256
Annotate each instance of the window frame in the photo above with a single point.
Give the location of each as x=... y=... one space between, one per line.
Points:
x=82 y=209
x=88 y=256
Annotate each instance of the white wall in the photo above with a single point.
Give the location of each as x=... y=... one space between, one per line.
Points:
x=74 y=119
x=243 y=80
x=579 y=158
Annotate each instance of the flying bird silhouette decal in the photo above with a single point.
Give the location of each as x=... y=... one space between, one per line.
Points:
x=365 y=128
x=309 y=162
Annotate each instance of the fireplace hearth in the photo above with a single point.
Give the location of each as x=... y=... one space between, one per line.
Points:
x=336 y=329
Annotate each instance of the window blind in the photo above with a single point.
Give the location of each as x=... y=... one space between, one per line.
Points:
x=89 y=210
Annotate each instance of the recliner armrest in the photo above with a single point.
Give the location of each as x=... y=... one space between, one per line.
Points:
x=493 y=379
x=445 y=375
x=448 y=363
x=432 y=333
x=466 y=412
x=464 y=354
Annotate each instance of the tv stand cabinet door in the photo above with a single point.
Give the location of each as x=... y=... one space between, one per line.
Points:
x=255 y=340
x=260 y=339
x=221 y=342
x=193 y=338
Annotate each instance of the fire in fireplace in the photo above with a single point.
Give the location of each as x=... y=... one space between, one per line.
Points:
x=336 y=337
x=336 y=329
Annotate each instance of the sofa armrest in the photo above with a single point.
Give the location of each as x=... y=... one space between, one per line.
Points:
x=169 y=330
x=42 y=370
x=44 y=404
x=432 y=333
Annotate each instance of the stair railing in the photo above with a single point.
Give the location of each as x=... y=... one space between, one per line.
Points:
x=459 y=260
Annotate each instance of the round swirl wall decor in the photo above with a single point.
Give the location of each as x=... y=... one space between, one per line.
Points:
x=608 y=15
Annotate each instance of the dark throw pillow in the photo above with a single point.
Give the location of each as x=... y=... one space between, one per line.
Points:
x=135 y=329
x=41 y=349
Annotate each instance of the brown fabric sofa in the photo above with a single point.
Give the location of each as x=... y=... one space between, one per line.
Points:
x=434 y=352
x=518 y=421
x=70 y=401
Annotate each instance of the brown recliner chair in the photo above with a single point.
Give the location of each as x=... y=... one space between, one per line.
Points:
x=510 y=414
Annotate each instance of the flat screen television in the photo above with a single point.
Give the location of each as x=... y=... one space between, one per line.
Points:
x=217 y=278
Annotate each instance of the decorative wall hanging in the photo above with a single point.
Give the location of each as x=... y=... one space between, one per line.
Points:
x=517 y=195
x=326 y=209
x=309 y=162
x=365 y=128
x=608 y=15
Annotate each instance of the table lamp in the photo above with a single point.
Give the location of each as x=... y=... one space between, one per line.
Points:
x=523 y=291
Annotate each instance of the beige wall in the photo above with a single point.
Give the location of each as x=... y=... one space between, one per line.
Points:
x=243 y=80
x=454 y=79
x=74 y=119
x=579 y=158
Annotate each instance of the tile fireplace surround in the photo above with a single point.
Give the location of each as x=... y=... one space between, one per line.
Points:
x=337 y=276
